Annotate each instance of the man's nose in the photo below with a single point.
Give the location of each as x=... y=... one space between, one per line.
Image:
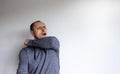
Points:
x=43 y=29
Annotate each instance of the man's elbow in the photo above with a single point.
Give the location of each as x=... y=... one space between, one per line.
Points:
x=55 y=44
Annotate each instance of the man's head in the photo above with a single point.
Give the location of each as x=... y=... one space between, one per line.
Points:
x=38 y=29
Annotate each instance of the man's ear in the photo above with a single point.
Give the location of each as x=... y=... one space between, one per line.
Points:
x=32 y=33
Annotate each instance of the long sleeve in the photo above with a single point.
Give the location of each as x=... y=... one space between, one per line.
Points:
x=47 y=43
x=23 y=63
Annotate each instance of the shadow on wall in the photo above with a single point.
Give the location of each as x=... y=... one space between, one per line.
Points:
x=23 y=35
x=12 y=43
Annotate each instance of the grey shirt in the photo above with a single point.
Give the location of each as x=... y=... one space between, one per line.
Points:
x=40 y=57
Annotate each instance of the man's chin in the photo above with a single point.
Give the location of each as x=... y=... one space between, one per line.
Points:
x=39 y=37
x=42 y=37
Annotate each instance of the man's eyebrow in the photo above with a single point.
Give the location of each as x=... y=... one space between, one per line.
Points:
x=41 y=26
x=44 y=26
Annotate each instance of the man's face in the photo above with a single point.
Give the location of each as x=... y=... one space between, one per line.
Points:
x=39 y=30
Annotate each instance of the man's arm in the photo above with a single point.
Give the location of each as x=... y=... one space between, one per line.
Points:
x=23 y=63
x=47 y=42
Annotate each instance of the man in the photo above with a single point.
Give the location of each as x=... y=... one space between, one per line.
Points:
x=41 y=55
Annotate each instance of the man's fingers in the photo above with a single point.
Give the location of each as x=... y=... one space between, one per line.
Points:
x=26 y=42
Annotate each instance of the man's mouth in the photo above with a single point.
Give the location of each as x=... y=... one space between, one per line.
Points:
x=44 y=33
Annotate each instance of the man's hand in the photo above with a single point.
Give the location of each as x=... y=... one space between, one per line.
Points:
x=26 y=42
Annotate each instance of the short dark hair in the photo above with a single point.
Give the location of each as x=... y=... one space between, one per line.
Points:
x=32 y=25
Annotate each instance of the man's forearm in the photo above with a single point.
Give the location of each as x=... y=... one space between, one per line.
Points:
x=47 y=42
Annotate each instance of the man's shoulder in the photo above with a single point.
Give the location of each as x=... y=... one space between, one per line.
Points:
x=26 y=49
x=50 y=37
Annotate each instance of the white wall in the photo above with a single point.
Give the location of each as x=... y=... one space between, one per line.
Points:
x=89 y=33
